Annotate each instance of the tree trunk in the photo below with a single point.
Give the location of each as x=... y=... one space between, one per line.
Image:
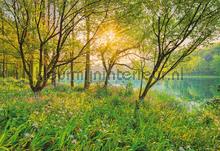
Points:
x=58 y=74
x=106 y=79
x=87 y=69
x=16 y=71
x=150 y=83
x=32 y=66
x=3 y=66
x=72 y=63
x=38 y=87
x=147 y=88
x=144 y=94
x=3 y=53
x=141 y=85
x=72 y=75
x=37 y=93
x=23 y=74
x=54 y=78
x=6 y=68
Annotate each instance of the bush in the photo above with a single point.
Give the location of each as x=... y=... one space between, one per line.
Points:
x=128 y=89
x=102 y=92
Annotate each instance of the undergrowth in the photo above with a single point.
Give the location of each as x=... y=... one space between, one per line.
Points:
x=101 y=119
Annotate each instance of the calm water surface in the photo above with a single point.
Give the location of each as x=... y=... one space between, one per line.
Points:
x=200 y=88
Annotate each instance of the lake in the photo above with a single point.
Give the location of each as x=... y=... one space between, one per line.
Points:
x=189 y=88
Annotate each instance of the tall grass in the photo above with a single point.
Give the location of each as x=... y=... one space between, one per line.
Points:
x=100 y=119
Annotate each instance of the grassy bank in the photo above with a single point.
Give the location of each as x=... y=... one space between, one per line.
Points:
x=73 y=119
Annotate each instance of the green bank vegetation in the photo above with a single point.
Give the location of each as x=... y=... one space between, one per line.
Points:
x=96 y=119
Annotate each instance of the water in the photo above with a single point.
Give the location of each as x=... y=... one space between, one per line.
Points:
x=191 y=88
x=196 y=89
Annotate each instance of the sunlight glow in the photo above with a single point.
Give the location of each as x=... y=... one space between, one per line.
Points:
x=106 y=38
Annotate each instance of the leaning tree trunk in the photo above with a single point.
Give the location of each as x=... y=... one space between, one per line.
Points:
x=144 y=94
x=142 y=79
x=150 y=82
x=147 y=88
x=23 y=73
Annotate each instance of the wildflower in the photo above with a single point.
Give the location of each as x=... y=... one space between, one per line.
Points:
x=188 y=147
x=104 y=130
x=36 y=112
x=71 y=136
x=28 y=135
x=35 y=125
x=181 y=149
x=74 y=141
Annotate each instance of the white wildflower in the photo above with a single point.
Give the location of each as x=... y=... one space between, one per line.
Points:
x=181 y=149
x=74 y=141
x=71 y=136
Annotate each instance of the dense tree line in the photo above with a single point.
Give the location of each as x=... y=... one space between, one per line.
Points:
x=43 y=38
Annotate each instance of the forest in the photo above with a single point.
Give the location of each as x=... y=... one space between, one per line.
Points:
x=137 y=75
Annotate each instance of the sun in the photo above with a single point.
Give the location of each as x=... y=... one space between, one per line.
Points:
x=109 y=35
x=106 y=37
x=112 y=36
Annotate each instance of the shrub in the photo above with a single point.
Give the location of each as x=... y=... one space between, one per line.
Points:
x=128 y=89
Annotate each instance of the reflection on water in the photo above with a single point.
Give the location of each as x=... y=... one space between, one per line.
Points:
x=188 y=88
x=191 y=88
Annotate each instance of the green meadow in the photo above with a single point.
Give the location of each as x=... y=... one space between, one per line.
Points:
x=73 y=119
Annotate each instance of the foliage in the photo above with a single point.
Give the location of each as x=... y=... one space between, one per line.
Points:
x=216 y=64
x=173 y=30
x=128 y=89
x=205 y=62
x=44 y=34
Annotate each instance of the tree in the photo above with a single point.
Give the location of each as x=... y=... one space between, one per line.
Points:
x=28 y=19
x=9 y=58
x=174 y=29
x=215 y=64
x=113 y=45
x=3 y=52
x=87 y=66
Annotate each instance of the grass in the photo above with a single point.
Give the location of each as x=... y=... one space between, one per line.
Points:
x=72 y=119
